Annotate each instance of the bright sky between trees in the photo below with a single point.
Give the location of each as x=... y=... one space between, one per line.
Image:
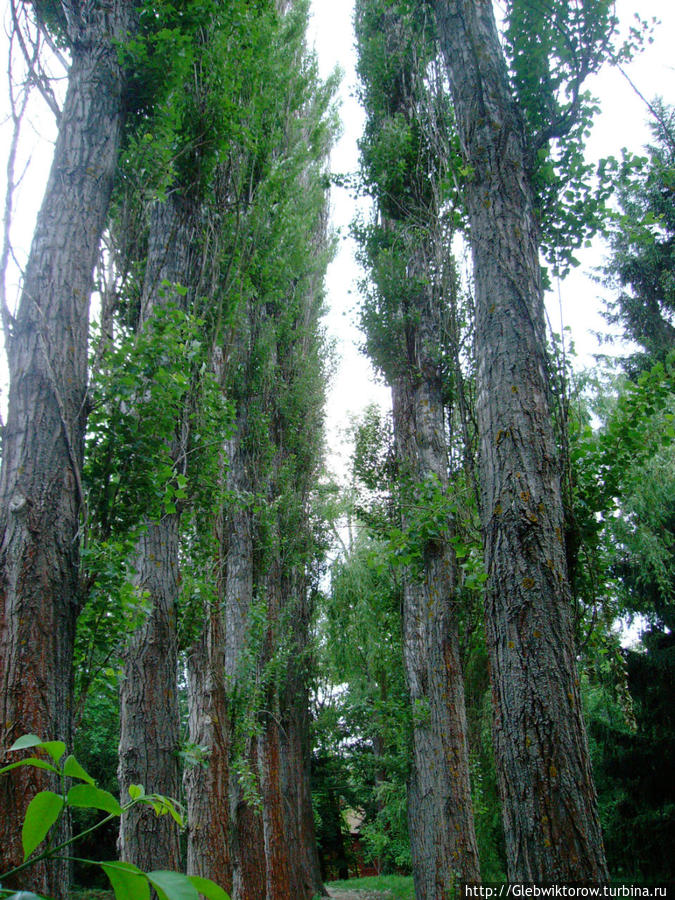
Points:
x=621 y=123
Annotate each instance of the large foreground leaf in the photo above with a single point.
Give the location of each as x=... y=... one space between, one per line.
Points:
x=127 y=880
x=31 y=761
x=89 y=797
x=208 y=888
x=172 y=886
x=43 y=810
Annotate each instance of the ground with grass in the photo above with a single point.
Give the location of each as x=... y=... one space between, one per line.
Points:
x=382 y=887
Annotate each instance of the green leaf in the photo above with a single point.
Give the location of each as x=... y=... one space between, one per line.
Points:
x=163 y=805
x=43 y=810
x=127 y=880
x=31 y=761
x=173 y=885
x=75 y=770
x=55 y=749
x=208 y=888
x=23 y=743
x=136 y=791
x=87 y=796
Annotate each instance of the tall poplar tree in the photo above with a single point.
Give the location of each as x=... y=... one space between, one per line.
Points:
x=549 y=800
x=276 y=382
x=41 y=497
x=149 y=715
x=406 y=157
x=269 y=346
x=188 y=239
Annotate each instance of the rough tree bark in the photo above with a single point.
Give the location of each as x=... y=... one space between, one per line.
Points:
x=40 y=485
x=149 y=714
x=549 y=800
x=278 y=853
x=440 y=811
x=248 y=847
x=295 y=751
x=207 y=785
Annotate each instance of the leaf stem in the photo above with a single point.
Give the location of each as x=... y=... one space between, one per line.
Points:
x=52 y=851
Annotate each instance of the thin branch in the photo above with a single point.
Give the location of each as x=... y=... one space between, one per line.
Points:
x=653 y=109
x=17 y=112
x=36 y=74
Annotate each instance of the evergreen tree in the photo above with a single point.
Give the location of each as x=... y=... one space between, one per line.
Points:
x=642 y=245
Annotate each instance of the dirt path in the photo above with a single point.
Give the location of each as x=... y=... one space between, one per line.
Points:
x=340 y=894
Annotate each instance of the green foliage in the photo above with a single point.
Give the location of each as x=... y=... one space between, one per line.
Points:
x=633 y=760
x=622 y=554
x=408 y=144
x=618 y=508
x=642 y=240
x=184 y=83
x=411 y=168
x=46 y=808
x=139 y=390
x=363 y=729
x=331 y=793
x=552 y=49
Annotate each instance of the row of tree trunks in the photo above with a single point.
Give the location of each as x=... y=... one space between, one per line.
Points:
x=149 y=714
x=549 y=801
x=440 y=811
x=41 y=498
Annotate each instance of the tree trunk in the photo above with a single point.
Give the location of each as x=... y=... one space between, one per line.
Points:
x=40 y=485
x=249 y=870
x=443 y=839
x=549 y=801
x=149 y=714
x=248 y=846
x=149 y=721
x=300 y=835
x=277 y=852
x=206 y=786
x=405 y=327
